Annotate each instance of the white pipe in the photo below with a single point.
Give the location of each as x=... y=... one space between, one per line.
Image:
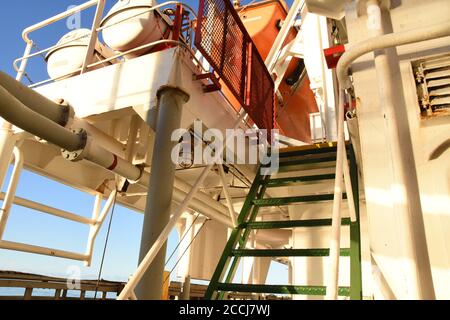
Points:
x=335 y=241
x=405 y=188
x=201 y=202
x=7 y=143
x=186 y=187
x=348 y=186
x=272 y=58
x=93 y=232
x=24 y=62
x=65 y=14
x=15 y=246
x=97 y=206
x=227 y=196
x=100 y=137
x=159 y=243
x=11 y=191
x=383 y=42
x=49 y=210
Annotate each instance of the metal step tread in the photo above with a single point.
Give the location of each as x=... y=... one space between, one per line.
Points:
x=344 y=252
x=280 y=182
x=280 y=289
x=302 y=161
x=292 y=224
x=296 y=199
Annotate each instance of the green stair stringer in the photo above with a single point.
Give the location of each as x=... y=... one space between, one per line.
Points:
x=236 y=246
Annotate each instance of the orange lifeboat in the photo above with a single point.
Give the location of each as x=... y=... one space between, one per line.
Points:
x=262 y=21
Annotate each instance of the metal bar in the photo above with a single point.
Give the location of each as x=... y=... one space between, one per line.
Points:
x=292 y=224
x=280 y=289
x=285 y=182
x=9 y=245
x=231 y=210
x=49 y=210
x=95 y=228
x=94 y=35
x=23 y=64
x=355 y=238
x=177 y=22
x=11 y=191
x=65 y=14
x=332 y=285
x=272 y=57
x=345 y=252
x=271 y=202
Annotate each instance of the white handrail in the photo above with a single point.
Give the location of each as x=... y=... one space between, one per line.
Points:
x=353 y=53
x=93 y=37
x=11 y=191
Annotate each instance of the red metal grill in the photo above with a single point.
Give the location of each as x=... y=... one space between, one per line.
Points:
x=261 y=105
x=223 y=40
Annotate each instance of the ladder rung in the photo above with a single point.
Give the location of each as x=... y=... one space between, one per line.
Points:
x=308 y=150
x=280 y=289
x=292 y=224
x=298 y=162
x=345 y=252
x=290 y=200
x=281 y=182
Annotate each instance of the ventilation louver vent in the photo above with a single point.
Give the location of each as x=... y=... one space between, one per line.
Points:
x=433 y=85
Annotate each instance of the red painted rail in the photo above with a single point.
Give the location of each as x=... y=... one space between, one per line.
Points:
x=225 y=43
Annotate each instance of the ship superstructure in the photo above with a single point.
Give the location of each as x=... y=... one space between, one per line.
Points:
x=346 y=104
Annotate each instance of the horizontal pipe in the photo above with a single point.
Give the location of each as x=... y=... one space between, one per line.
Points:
x=386 y=41
x=9 y=245
x=105 y=140
x=49 y=210
x=35 y=101
x=14 y=111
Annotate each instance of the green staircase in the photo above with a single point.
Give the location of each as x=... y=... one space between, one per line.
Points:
x=306 y=158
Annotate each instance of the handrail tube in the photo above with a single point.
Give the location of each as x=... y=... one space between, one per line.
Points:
x=49 y=210
x=332 y=281
x=93 y=232
x=226 y=191
x=145 y=46
x=11 y=191
x=9 y=245
x=56 y=18
x=386 y=41
x=94 y=35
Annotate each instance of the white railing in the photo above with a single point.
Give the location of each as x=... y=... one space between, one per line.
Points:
x=88 y=63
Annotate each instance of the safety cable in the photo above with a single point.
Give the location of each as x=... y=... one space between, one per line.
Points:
x=181 y=240
x=184 y=252
x=105 y=247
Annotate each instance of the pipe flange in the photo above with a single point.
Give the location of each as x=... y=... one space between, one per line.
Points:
x=67 y=113
x=76 y=155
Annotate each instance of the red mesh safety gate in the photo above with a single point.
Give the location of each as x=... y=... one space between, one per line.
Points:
x=225 y=43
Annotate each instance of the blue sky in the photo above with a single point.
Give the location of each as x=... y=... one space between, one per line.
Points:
x=28 y=226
